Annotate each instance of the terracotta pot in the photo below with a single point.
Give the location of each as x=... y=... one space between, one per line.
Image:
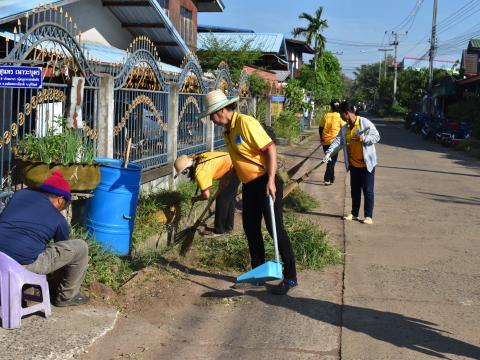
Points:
x=81 y=178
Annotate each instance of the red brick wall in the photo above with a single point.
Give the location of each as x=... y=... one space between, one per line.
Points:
x=175 y=17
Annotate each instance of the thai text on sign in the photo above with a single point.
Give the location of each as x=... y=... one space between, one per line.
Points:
x=20 y=77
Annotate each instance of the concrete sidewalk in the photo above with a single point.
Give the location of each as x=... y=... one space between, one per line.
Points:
x=412 y=280
x=63 y=335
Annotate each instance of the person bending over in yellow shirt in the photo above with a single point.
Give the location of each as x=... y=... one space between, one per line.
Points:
x=204 y=168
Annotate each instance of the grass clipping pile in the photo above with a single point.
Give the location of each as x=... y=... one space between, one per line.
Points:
x=310 y=245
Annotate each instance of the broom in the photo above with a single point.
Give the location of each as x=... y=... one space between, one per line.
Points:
x=290 y=187
x=294 y=184
x=294 y=169
x=186 y=236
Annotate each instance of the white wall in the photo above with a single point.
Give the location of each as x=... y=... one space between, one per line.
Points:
x=90 y=14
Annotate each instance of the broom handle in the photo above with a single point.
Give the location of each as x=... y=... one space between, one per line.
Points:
x=274 y=228
x=290 y=187
x=127 y=156
x=202 y=215
x=191 y=208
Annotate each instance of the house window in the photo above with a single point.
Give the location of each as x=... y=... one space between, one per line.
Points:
x=186 y=25
x=165 y=6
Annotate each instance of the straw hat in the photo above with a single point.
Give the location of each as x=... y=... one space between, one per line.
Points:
x=182 y=162
x=216 y=100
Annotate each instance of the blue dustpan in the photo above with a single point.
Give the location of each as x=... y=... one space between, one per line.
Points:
x=271 y=270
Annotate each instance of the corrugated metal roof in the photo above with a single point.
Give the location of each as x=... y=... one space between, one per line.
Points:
x=109 y=54
x=173 y=49
x=210 y=5
x=474 y=43
x=265 y=42
x=282 y=75
x=145 y=15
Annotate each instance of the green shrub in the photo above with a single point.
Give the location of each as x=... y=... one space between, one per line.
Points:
x=298 y=200
x=287 y=125
x=261 y=110
x=310 y=246
x=103 y=267
x=62 y=145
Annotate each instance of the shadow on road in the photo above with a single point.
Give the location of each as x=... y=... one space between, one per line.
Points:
x=396 y=329
x=425 y=170
x=451 y=199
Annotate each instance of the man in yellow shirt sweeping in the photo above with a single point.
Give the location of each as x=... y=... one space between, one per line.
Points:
x=329 y=127
x=204 y=168
x=254 y=157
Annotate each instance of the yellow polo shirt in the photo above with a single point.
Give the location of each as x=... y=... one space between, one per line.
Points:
x=246 y=142
x=355 y=147
x=211 y=166
x=331 y=123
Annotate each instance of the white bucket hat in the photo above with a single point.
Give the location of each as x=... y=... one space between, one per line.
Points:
x=216 y=100
x=181 y=163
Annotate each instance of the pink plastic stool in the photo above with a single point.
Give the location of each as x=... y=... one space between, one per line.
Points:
x=13 y=277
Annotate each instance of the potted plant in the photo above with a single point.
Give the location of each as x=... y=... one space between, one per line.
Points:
x=62 y=148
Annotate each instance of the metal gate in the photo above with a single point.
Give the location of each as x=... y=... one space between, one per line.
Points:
x=191 y=133
x=49 y=40
x=141 y=106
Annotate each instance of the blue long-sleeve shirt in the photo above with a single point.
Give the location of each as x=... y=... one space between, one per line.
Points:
x=371 y=138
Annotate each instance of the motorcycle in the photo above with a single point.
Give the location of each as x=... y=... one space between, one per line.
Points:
x=431 y=127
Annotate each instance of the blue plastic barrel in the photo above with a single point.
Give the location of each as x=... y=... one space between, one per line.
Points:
x=111 y=210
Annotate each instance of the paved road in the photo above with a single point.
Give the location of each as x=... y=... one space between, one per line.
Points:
x=410 y=288
x=412 y=281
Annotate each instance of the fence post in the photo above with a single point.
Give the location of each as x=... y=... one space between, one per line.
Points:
x=210 y=128
x=105 y=117
x=268 y=117
x=253 y=106
x=172 y=130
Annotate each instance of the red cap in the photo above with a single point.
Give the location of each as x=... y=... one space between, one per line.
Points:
x=57 y=185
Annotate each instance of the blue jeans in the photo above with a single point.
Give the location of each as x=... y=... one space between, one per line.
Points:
x=362 y=180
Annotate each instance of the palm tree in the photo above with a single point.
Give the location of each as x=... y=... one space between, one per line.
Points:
x=313 y=32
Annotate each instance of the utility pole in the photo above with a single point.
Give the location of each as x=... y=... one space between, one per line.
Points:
x=384 y=62
x=433 y=41
x=395 y=44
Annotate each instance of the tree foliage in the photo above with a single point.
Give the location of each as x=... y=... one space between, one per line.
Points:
x=326 y=82
x=237 y=56
x=411 y=86
x=258 y=85
x=313 y=31
x=295 y=95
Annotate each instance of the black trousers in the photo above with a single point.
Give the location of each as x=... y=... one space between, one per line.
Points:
x=362 y=181
x=225 y=203
x=330 y=170
x=255 y=207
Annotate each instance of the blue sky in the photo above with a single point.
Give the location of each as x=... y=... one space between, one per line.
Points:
x=361 y=22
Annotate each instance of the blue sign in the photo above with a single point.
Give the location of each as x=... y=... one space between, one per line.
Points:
x=20 y=77
x=279 y=98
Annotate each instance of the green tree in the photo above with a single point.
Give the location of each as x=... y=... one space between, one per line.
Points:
x=258 y=85
x=326 y=81
x=313 y=32
x=236 y=55
x=295 y=95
